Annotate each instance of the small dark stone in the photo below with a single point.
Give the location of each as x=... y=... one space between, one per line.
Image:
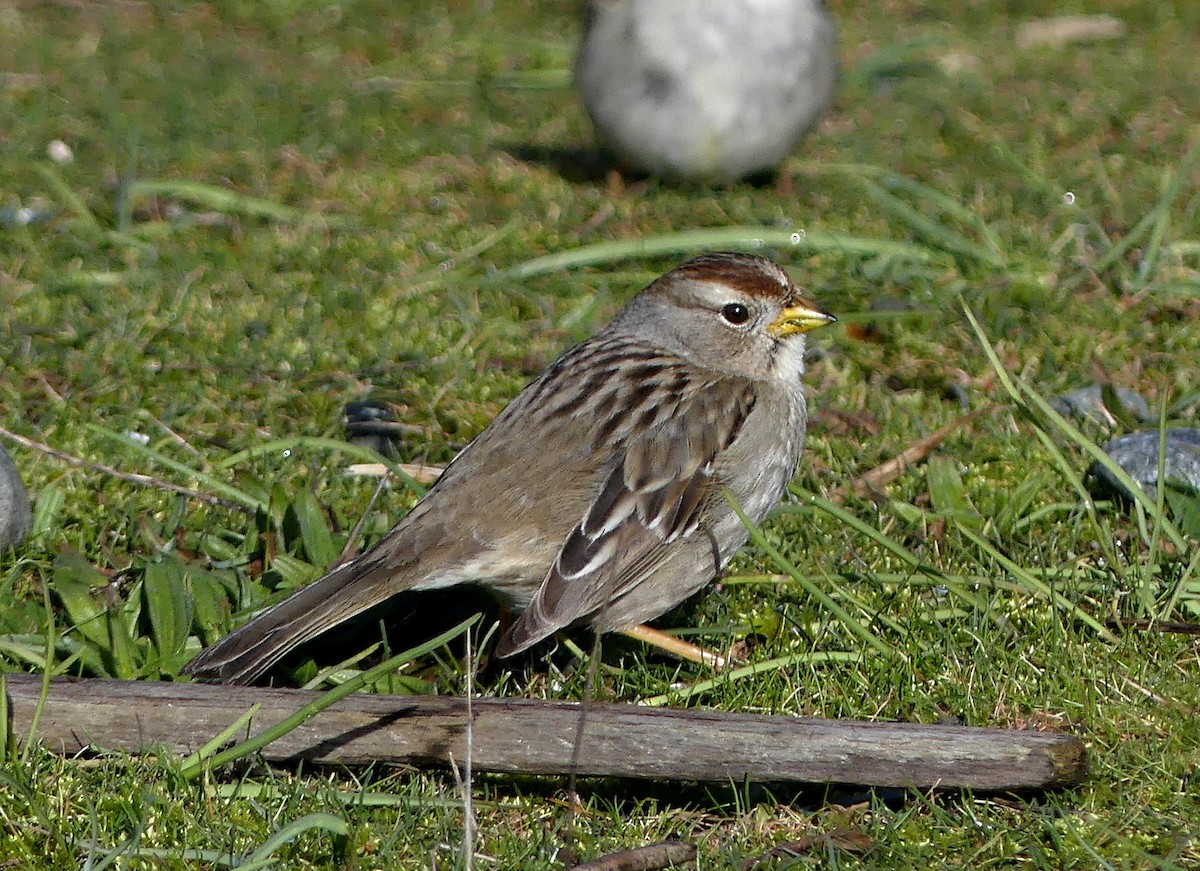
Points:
x=1137 y=454
x=372 y=424
x=16 y=518
x=367 y=412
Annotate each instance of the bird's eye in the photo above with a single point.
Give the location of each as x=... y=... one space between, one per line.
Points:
x=736 y=313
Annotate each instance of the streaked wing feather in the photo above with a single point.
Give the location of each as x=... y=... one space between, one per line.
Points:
x=655 y=492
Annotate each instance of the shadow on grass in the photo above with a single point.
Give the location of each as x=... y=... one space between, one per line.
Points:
x=595 y=165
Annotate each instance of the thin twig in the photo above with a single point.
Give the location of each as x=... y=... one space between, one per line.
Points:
x=843 y=839
x=362 y=519
x=175 y=437
x=419 y=472
x=54 y=395
x=873 y=481
x=132 y=477
x=675 y=646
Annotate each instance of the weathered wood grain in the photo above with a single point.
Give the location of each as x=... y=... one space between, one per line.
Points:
x=537 y=737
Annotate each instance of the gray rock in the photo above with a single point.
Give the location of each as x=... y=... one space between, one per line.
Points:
x=1087 y=403
x=16 y=518
x=1137 y=454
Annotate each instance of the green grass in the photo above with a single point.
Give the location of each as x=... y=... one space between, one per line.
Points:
x=277 y=208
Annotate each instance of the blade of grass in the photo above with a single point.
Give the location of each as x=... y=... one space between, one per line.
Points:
x=210 y=747
x=1172 y=185
x=1066 y=469
x=855 y=626
x=1000 y=148
x=68 y=197
x=216 y=858
x=139 y=479
x=745 y=238
x=935 y=233
x=273 y=792
x=1153 y=222
x=1028 y=399
x=897 y=578
x=983 y=582
x=1120 y=249
x=261 y=857
x=816 y=657
x=8 y=741
x=319 y=443
x=22 y=649
x=896 y=549
x=1147 y=587
x=226 y=490
x=827 y=582
x=1184 y=248
x=1180 y=588
x=227 y=201
x=1034 y=584
x=346 y=663
x=44 y=692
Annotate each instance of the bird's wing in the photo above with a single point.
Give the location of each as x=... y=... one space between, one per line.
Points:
x=655 y=493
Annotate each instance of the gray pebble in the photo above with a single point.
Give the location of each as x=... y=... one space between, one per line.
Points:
x=1087 y=403
x=16 y=518
x=1137 y=454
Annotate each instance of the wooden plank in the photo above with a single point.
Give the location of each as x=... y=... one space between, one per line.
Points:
x=537 y=737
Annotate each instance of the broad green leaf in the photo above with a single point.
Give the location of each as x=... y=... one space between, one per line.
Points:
x=46 y=512
x=294 y=571
x=1185 y=507
x=318 y=542
x=164 y=590
x=217 y=548
x=947 y=493
x=210 y=606
x=1012 y=504
x=109 y=629
x=278 y=505
x=77 y=585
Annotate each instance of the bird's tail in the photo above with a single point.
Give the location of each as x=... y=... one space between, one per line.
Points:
x=246 y=653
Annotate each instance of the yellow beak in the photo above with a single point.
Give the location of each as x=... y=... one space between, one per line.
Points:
x=799 y=319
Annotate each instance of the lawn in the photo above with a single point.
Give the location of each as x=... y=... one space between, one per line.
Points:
x=222 y=222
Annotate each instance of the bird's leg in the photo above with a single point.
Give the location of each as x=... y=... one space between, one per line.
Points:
x=675 y=646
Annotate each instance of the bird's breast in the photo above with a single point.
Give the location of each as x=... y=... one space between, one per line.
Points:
x=758 y=466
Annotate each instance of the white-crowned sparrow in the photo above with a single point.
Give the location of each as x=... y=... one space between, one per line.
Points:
x=600 y=495
x=708 y=90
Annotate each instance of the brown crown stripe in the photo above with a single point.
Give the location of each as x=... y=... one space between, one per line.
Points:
x=753 y=276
